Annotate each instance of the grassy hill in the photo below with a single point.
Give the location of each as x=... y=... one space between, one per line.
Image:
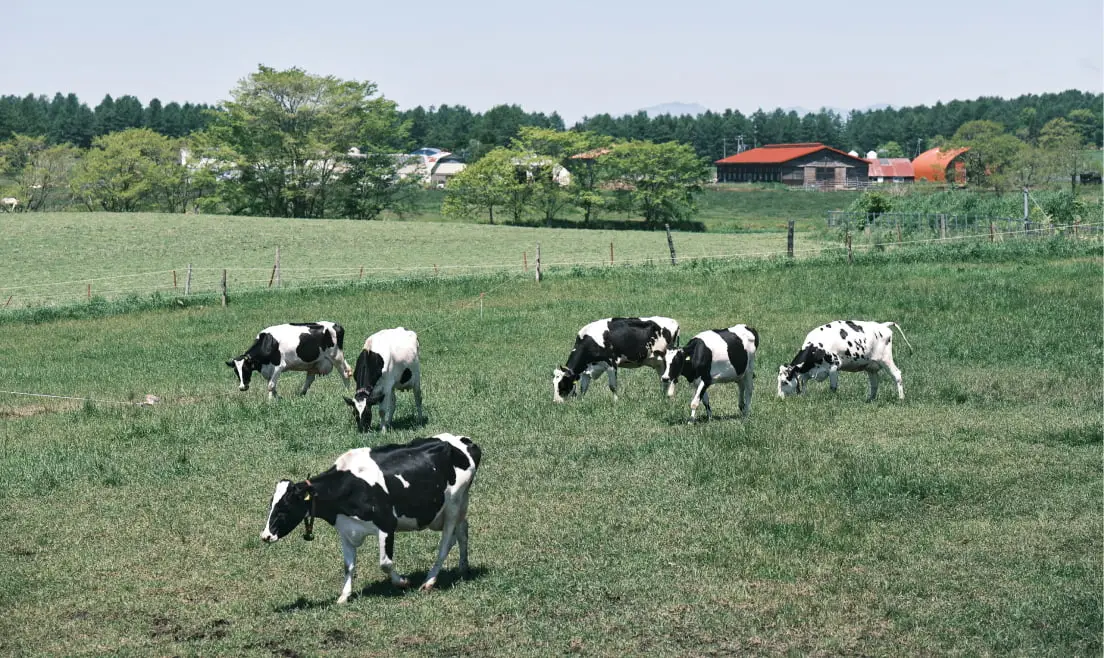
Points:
x=964 y=520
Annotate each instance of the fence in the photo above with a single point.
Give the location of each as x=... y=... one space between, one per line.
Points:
x=937 y=224
x=188 y=280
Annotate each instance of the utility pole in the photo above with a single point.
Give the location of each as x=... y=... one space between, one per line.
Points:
x=740 y=148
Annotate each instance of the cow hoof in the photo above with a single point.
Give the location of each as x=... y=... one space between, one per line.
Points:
x=403 y=583
x=427 y=586
x=343 y=599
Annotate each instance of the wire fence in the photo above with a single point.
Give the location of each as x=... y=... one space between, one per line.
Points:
x=899 y=228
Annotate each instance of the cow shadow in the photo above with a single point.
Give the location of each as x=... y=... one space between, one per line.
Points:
x=382 y=588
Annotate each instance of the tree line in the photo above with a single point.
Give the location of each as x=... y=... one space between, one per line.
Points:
x=66 y=120
x=293 y=144
x=893 y=132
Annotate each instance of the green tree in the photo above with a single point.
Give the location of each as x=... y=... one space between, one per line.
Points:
x=488 y=183
x=370 y=184
x=129 y=170
x=890 y=149
x=548 y=154
x=291 y=130
x=657 y=181
x=1063 y=141
x=993 y=153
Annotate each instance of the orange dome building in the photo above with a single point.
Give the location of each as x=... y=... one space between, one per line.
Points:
x=939 y=165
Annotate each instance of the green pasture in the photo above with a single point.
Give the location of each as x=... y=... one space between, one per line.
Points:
x=50 y=258
x=965 y=520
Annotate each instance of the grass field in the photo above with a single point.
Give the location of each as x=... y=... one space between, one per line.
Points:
x=965 y=520
x=54 y=257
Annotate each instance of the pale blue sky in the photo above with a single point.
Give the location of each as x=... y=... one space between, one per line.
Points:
x=577 y=58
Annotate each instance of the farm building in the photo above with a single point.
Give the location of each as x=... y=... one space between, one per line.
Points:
x=937 y=165
x=432 y=165
x=891 y=170
x=809 y=164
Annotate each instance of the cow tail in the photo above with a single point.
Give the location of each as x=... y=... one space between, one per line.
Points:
x=902 y=332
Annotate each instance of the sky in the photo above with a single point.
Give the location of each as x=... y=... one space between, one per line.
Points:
x=575 y=58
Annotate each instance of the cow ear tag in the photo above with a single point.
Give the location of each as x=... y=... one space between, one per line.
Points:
x=307 y=496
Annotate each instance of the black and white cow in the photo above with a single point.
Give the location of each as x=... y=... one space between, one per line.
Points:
x=714 y=357
x=421 y=485
x=388 y=362
x=847 y=345
x=610 y=344
x=312 y=347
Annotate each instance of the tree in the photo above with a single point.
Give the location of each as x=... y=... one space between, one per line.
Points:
x=890 y=149
x=291 y=130
x=547 y=153
x=371 y=184
x=658 y=181
x=130 y=170
x=488 y=183
x=1062 y=141
x=992 y=155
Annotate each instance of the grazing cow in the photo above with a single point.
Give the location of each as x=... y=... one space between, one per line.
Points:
x=610 y=344
x=850 y=346
x=714 y=357
x=395 y=488
x=389 y=361
x=9 y=203
x=312 y=347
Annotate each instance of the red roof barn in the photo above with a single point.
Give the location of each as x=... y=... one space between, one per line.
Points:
x=891 y=170
x=810 y=164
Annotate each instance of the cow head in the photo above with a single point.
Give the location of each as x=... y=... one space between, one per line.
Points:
x=563 y=383
x=362 y=407
x=243 y=367
x=290 y=505
x=673 y=363
x=789 y=381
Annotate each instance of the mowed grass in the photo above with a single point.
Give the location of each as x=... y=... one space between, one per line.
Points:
x=51 y=258
x=965 y=520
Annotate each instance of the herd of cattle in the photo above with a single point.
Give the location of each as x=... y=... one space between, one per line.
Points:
x=424 y=484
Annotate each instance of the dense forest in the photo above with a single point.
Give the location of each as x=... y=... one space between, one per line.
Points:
x=713 y=135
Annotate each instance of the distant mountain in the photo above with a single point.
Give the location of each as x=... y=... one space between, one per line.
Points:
x=675 y=109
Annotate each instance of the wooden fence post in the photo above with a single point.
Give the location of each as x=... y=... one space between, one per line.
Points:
x=524 y=262
x=992 y=232
x=174 y=279
x=898 y=222
x=480 y=307
x=611 y=252
x=90 y=292
x=850 y=257
x=671 y=244
x=942 y=227
x=188 y=281
x=361 y=272
x=1075 y=227
x=224 y=287
x=9 y=301
x=538 y=267
x=789 y=238
x=277 y=267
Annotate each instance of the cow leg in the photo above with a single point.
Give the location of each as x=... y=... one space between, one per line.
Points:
x=387 y=410
x=387 y=554
x=462 y=541
x=307 y=383
x=418 y=401
x=611 y=378
x=747 y=386
x=349 y=550
x=442 y=552
x=895 y=372
x=705 y=401
x=272 y=383
x=344 y=368
x=872 y=375
x=699 y=386
x=833 y=379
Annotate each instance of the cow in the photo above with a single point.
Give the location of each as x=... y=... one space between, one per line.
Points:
x=713 y=357
x=388 y=361
x=847 y=345
x=311 y=347
x=420 y=485
x=9 y=203
x=610 y=344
